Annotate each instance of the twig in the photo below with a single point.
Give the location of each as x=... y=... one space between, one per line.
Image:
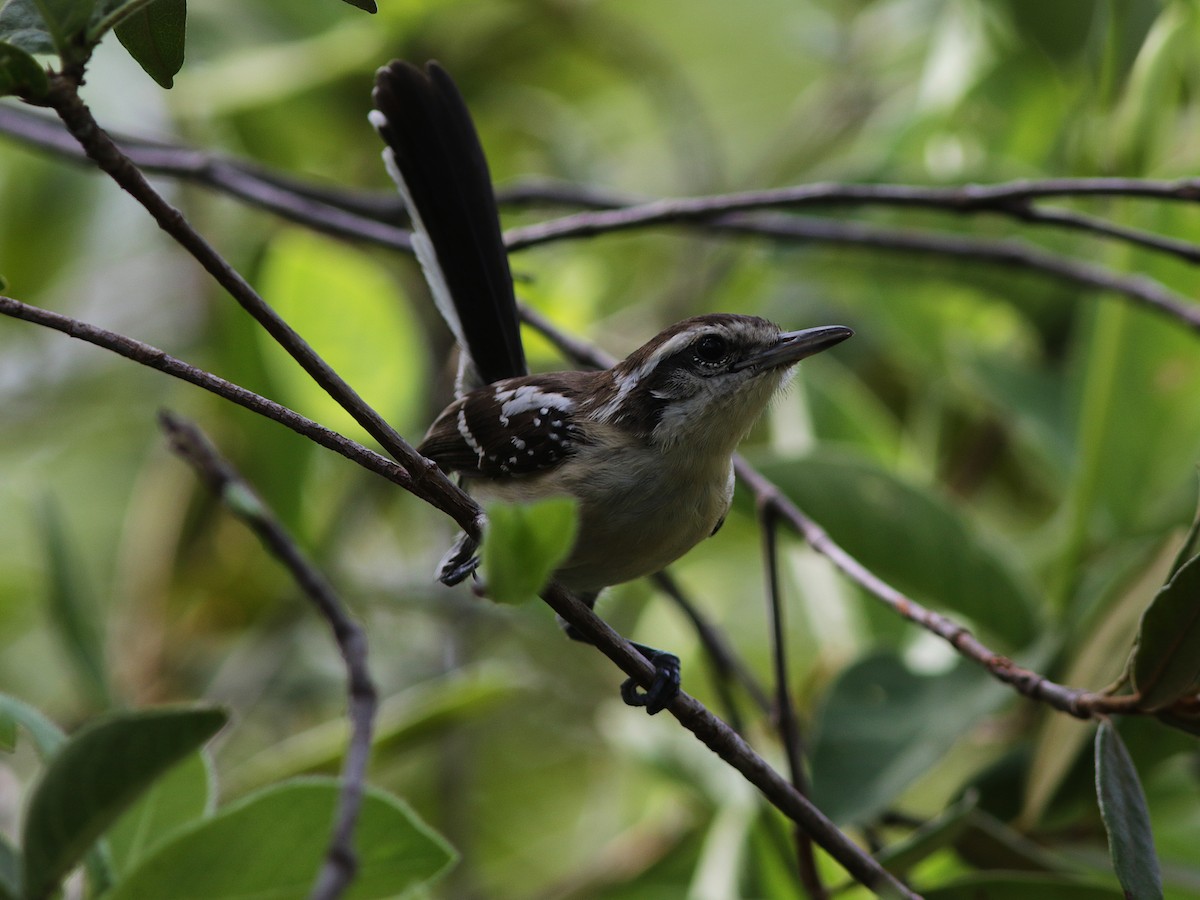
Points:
x=1079 y=703
x=785 y=710
x=370 y=218
x=63 y=98
x=154 y=358
x=731 y=747
x=341 y=862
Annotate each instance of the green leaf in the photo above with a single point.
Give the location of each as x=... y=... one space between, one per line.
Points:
x=1126 y=819
x=66 y=21
x=523 y=545
x=882 y=726
x=47 y=737
x=154 y=37
x=23 y=26
x=912 y=539
x=1013 y=886
x=10 y=870
x=95 y=776
x=179 y=798
x=365 y=5
x=73 y=607
x=423 y=712
x=20 y=74
x=932 y=836
x=271 y=844
x=1166 y=657
x=344 y=303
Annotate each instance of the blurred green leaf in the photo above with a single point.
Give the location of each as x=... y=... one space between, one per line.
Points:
x=23 y=26
x=154 y=36
x=183 y=795
x=882 y=726
x=10 y=870
x=95 y=776
x=421 y=712
x=47 y=737
x=73 y=607
x=1126 y=818
x=20 y=74
x=348 y=308
x=931 y=836
x=66 y=21
x=987 y=843
x=272 y=843
x=1009 y=886
x=1166 y=658
x=911 y=538
x=523 y=545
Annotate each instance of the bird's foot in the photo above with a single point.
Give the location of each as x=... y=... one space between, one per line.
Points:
x=665 y=687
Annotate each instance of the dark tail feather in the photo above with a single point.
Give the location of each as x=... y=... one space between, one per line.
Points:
x=435 y=157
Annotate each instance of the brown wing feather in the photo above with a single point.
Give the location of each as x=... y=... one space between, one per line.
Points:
x=518 y=426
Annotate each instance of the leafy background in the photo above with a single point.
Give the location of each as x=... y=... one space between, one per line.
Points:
x=1014 y=451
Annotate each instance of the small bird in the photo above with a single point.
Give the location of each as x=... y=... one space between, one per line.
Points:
x=645 y=447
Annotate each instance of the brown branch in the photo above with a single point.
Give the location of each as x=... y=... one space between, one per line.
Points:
x=370 y=218
x=63 y=98
x=1079 y=703
x=731 y=747
x=341 y=862
x=154 y=358
x=789 y=726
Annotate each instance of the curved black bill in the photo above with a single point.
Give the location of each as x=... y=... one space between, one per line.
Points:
x=794 y=346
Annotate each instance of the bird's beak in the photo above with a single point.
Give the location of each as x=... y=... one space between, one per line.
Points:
x=793 y=346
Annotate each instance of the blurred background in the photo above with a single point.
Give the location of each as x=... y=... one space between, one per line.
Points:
x=1015 y=451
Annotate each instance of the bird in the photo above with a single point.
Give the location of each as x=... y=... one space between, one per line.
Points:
x=645 y=447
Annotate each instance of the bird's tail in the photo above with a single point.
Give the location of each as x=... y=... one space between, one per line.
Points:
x=435 y=157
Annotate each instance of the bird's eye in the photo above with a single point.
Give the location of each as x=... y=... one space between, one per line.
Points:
x=711 y=349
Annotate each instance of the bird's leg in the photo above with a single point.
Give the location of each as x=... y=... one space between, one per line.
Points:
x=665 y=687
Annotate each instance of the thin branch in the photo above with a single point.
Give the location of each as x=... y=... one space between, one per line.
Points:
x=63 y=98
x=1079 y=703
x=731 y=747
x=341 y=862
x=154 y=358
x=785 y=709
x=370 y=218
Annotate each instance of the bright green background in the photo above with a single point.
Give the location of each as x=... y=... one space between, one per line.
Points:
x=1014 y=451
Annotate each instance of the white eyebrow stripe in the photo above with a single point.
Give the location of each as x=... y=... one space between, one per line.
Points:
x=627 y=381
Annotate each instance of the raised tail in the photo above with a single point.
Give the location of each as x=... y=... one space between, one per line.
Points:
x=435 y=157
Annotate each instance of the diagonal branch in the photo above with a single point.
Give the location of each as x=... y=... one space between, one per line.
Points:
x=63 y=98
x=341 y=862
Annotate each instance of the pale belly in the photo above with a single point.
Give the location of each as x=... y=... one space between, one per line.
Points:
x=626 y=532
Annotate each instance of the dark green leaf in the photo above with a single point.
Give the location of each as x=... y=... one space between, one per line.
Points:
x=180 y=797
x=73 y=608
x=1166 y=658
x=23 y=26
x=10 y=870
x=366 y=5
x=1008 y=886
x=1189 y=549
x=154 y=37
x=271 y=845
x=20 y=74
x=912 y=539
x=524 y=544
x=932 y=836
x=95 y=776
x=1123 y=808
x=882 y=726
x=47 y=737
x=66 y=21
x=987 y=843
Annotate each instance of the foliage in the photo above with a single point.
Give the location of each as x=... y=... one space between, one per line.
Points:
x=1011 y=447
